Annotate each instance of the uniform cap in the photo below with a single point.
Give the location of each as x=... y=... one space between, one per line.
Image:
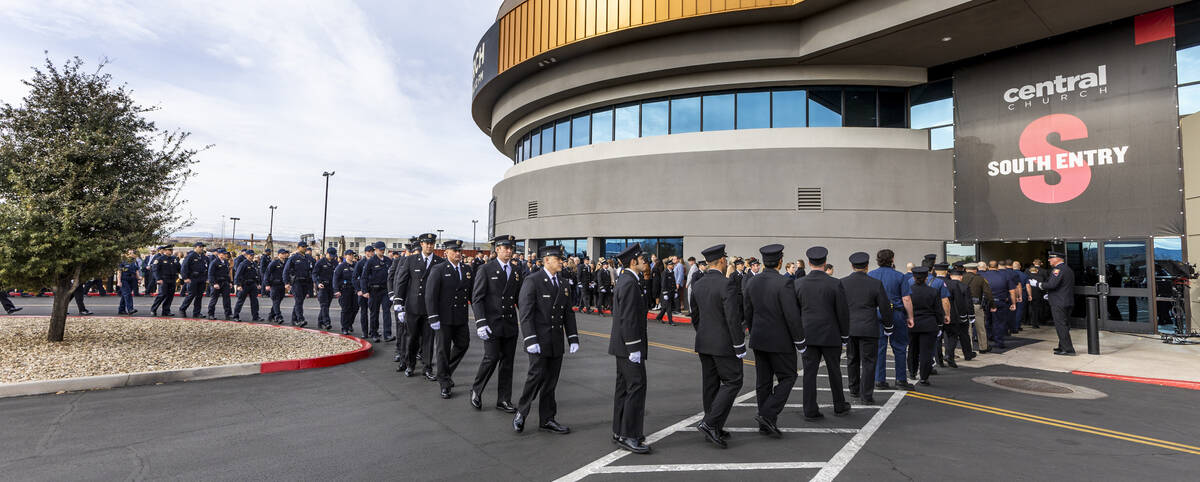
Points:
x=380 y=245
x=553 y=250
x=941 y=266
x=752 y=261
x=860 y=259
x=714 y=253
x=505 y=240
x=453 y=244
x=920 y=270
x=221 y=251
x=959 y=265
x=629 y=253
x=738 y=262
x=169 y=246
x=1055 y=254
x=281 y=251
x=249 y=251
x=332 y=251
x=302 y=244
x=198 y=245
x=816 y=254
x=369 y=247
x=931 y=256
x=427 y=238
x=348 y=252
x=957 y=271
x=771 y=252
x=971 y=265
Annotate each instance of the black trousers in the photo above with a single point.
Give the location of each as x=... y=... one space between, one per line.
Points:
x=605 y=301
x=540 y=383
x=921 y=346
x=1062 y=326
x=219 y=290
x=348 y=301
x=364 y=317
x=166 y=294
x=721 y=381
x=498 y=352
x=249 y=291
x=79 y=294
x=194 y=297
x=301 y=288
x=589 y=298
x=668 y=305
x=8 y=304
x=861 y=354
x=419 y=338
x=833 y=367
x=629 y=399
x=375 y=304
x=453 y=341
x=324 y=299
x=277 y=294
x=956 y=335
x=768 y=367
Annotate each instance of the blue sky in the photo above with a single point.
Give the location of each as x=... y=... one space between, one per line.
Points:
x=377 y=90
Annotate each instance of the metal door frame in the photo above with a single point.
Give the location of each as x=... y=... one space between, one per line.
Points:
x=1151 y=326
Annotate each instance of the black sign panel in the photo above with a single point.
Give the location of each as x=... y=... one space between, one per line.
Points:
x=1074 y=137
x=485 y=63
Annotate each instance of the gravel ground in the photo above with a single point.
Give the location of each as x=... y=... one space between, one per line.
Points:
x=106 y=346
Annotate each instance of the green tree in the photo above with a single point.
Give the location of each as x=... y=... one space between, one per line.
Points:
x=84 y=176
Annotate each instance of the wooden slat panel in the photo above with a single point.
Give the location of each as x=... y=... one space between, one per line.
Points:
x=601 y=16
x=590 y=27
x=613 y=15
x=635 y=13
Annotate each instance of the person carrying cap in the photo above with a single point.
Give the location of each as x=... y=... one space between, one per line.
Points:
x=494 y=300
x=720 y=342
x=1058 y=286
x=549 y=330
x=776 y=335
x=870 y=311
x=322 y=274
x=297 y=278
x=629 y=344
x=409 y=302
x=165 y=271
x=194 y=269
x=447 y=294
x=343 y=290
x=826 y=327
x=220 y=284
x=273 y=280
x=247 y=280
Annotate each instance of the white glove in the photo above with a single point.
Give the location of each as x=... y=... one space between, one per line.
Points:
x=437 y=325
x=741 y=355
x=534 y=348
x=1033 y=282
x=400 y=318
x=398 y=308
x=574 y=347
x=635 y=357
x=483 y=332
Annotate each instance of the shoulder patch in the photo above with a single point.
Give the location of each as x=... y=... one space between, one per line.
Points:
x=1056 y=271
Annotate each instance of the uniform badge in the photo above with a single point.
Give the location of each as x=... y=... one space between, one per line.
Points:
x=1055 y=271
x=468 y=275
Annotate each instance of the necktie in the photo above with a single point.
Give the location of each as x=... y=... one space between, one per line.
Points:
x=507 y=273
x=555 y=281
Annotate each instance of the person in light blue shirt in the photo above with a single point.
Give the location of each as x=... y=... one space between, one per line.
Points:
x=896 y=286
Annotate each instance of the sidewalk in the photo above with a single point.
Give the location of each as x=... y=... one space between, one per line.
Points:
x=1120 y=354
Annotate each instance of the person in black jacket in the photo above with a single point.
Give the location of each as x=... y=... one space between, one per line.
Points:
x=343 y=286
x=165 y=270
x=776 y=334
x=587 y=284
x=629 y=344
x=218 y=279
x=1058 y=286
x=667 y=295
x=297 y=278
x=548 y=324
x=826 y=326
x=494 y=300
x=447 y=293
x=604 y=285
x=273 y=280
x=194 y=270
x=720 y=342
x=323 y=276
x=925 y=317
x=869 y=310
x=246 y=280
x=961 y=311
x=409 y=292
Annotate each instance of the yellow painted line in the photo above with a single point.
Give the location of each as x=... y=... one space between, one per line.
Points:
x=658 y=345
x=1059 y=423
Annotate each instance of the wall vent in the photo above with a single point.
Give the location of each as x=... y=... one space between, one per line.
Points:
x=809 y=199
x=533 y=209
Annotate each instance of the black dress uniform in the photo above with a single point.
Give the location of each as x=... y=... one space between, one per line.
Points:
x=219 y=280
x=927 y=317
x=720 y=342
x=826 y=326
x=629 y=344
x=410 y=293
x=343 y=283
x=298 y=273
x=961 y=311
x=374 y=283
x=194 y=270
x=869 y=310
x=776 y=334
x=667 y=293
x=1059 y=288
x=273 y=278
x=364 y=304
x=494 y=300
x=323 y=274
x=604 y=285
x=248 y=280
x=165 y=270
x=587 y=283
x=548 y=326
x=447 y=293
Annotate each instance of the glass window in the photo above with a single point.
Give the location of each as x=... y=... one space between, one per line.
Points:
x=602 y=126
x=685 y=115
x=613 y=246
x=581 y=130
x=718 y=112
x=520 y=156
x=1189 y=99
x=891 y=107
x=654 y=118
x=956 y=252
x=941 y=138
x=581 y=248
x=548 y=139
x=562 y=135
x=1188 y=61
x=627 y=122
x=536 y=143
x=754 y=110
x=787 y=108
x=860 y=107
x=825 y=107
x=930 y=114
x=670 y=247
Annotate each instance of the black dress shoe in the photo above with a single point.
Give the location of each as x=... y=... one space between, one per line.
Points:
x=519 y=423
x=868 y=401
x=553 y=426
x=883 y=386
x=853 y=394
x=506 y=407
x=476 y=400
x=772 y=430
x=924 y=383
x=724 y=435
x=616 y=438
x=904 y=386
x=153 y=313
x=933 y=371
x=841 y=410
x=408 y=371
x=389 y=338
x=969 y=357
x=430 y=376
x=814 y=418
x=712 y=435
x=633 y=445
x=395 y=357
x=18 y=308
x=446 y=392
x=86 y=312
x=1065 y=353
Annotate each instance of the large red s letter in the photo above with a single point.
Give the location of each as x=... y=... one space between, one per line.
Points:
x=1073 y=180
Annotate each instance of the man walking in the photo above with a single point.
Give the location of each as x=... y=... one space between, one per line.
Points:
x=247 y=282
x=273 y=279
x=870 y=311
x=297 y=278
x=776 y=334
x=323 y=275
x=194 y=269
x=165 y=271
x=447 y=292
x=981 y=302
x=720 y=342
x=628 y=343
x=548 y=325
x=410 y=297
x=343 y=285
x=218 y=279
x=1059 y=287
x=127 y=283
x=826 y=326
x=494 y=299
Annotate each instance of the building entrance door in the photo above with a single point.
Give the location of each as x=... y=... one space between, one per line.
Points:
x=1115 y=273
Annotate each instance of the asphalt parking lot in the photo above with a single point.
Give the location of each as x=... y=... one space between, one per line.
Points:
x=364 y=421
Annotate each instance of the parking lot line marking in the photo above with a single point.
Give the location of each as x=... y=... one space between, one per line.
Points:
x=823 y=405
x=1060 y=423
x=658 y=345
x=794 y=430
x=843 y=457
x=629 y=469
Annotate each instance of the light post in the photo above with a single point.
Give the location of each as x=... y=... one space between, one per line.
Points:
x=474 y=224
x=234 y=235
x=439 y=240
x=271 y=228
x=325 y=217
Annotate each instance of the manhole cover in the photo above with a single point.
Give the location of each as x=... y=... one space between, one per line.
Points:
x=1045 y=388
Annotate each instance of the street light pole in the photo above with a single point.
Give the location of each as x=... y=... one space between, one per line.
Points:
x=234 y=235
x=439 y=240
x=271 y=229
x=474 y=224
x=325 y=217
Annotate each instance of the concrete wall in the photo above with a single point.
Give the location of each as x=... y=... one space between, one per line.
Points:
x=881 y=188
x=1190 y=137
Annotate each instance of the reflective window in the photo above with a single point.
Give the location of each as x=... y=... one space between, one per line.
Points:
x=581 y=130
x=1189 y=99
x=860 y=107
x=528 y=150
x=654 y=118
x=520 y=151
x=787 y=108
x=602 y=126
x=941 y=138
x=930 y=114
x=685 y=115
x=562 y=135
x=627 y=122
x=754 y=110
x=537 y=144
x=824 y=107
x=547 y=139
x=1188 y=61
x=892 y=103
x=718 y=112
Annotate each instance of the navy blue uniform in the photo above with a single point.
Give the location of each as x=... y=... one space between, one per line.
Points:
x=1001 y=284
x=374 y=281
x=218 y=279
x=1059 y=287
x=298 y=273
x=129 y=279
x=248 y=279
x=194 y=270
x=343 y=284
x=364 y=313
x=165 y=271
x=323 y=276
x=896 y=287
x=274 y=280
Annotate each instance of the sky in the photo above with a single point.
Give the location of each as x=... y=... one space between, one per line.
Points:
x=377 y=91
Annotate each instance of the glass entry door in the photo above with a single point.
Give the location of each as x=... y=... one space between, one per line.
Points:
x=1115 y=273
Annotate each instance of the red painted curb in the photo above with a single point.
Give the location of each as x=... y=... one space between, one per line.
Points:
x=1151 y=381
x=653 y=316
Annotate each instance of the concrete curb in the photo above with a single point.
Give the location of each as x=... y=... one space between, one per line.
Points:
x=101 y=382
x=649 y=316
